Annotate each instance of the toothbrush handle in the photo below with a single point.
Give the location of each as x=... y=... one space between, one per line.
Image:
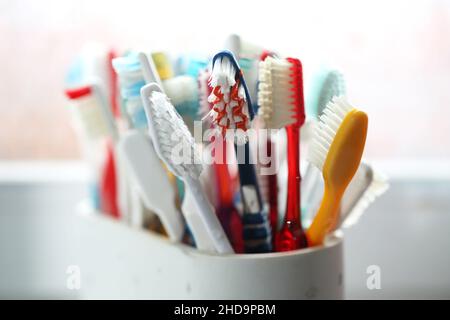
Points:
x=195 y=224
x=149 y=69
x=292 y=236
x=311 y=193
x=247 y=177
x=108 y=185
x=257 y=236
x=207 y=216
x=326 y=218
x=293 y=205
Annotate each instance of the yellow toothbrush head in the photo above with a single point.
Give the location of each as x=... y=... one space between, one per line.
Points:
x=336 y=150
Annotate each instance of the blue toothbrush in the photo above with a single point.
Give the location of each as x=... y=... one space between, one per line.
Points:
x=227 y=79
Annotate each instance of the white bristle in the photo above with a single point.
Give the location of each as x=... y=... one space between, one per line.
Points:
x=205 y=106
x=90 y=117
x=275 y=91
x=172 y=134
x=326 y=129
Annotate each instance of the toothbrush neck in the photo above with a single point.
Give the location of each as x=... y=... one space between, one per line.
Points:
x=224 y=188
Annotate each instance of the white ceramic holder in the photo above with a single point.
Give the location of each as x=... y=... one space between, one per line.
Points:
x=120 y=262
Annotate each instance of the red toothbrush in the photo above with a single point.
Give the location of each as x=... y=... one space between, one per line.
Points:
x=282 y=105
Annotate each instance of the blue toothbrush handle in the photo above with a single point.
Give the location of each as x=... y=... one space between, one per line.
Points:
x=256 y=229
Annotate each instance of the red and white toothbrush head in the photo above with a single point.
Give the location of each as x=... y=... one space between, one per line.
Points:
x=280 y=94
x=232 y=108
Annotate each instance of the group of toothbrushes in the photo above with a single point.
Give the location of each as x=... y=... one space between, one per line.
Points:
x=228 y=206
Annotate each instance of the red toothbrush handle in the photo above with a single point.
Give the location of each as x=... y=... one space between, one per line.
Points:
x=224 y=189
x=292 y=236
x=227 y=213
x=108 y=185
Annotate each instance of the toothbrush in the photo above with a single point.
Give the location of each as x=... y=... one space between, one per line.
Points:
x=94 y=65
x=336 y=150
x=190 y=65
x=153 y=66
x=281 y=105
x=150 y=178
x=226 y=210
x=131 y=80
x=163 y=65
x=182 y=92
x=365 y=187
x=134 y=71
x=152 y=74
x=241 y=48
x=164 y=123
x=327 y=84
x=94 y=115
x=112 y=181
x=113 y=94
x=149 y=70
x=269 y=182
x=232 y=109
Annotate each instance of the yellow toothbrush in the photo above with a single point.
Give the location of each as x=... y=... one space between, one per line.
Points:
x=336 y=150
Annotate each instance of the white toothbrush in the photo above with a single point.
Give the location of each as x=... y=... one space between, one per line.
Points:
x=150 y=73
x=151 y=181
x=196 y=226
x=365 y=187
x=169 y=133
x=95 y=115
x=127 y=208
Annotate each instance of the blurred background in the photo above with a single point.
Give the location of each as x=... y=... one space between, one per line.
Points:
x=395 y=57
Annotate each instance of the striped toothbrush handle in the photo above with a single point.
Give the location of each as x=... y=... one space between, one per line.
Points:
x=256 y=229
x=256 y=233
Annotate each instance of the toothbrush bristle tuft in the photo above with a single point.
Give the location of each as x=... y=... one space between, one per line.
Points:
x=326 y=129
x=131 y=79
x=280 y=95
x=173 y=135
